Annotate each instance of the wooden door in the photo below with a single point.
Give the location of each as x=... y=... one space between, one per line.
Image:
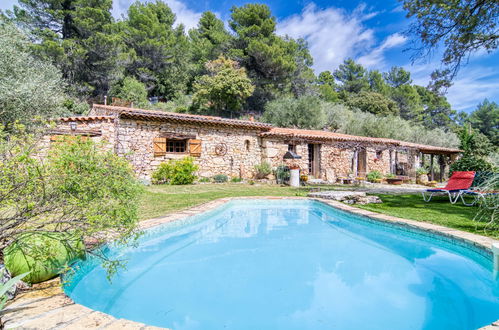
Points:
x=361 y=162
x=314 y=158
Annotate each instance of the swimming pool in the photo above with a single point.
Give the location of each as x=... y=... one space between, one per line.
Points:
x=292 y=264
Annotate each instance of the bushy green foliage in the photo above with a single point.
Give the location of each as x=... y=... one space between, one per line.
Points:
x=80 y=189
x=469 y=162
x=176 y=172
x=352 y=77
x=263 y=170
x=204 y=180
x=373 y=102
x=421 y=171
x=343 y=120
x=132 y=90
x=374 y=175
x=223 y=90
x=303 y=112
x=220 y=178
x=485 y=119
x=282 y=174
x=29 y=87
x=475 y=147
x=159 y=52
x=77 y=36
x=236 y=179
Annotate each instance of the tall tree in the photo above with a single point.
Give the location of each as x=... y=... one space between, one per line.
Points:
x=209 y=39
x=272 y=62
x=352 y=77
x=437 y=112
x=397 y=77
x=408 y=101
x=78 y=36
x=462 y=27
x=223 y=90
x=159 y=52
x=486 y=120
x=377 y=83
x=29 y=86
x=327 y=86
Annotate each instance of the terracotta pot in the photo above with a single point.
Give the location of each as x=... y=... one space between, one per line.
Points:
x=396 y=181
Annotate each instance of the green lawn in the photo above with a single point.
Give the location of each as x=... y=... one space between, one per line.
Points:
x=164 y=199
x=438 y=211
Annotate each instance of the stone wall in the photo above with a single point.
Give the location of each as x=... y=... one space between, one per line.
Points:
x=273 y=151
x=335 y=162
x=243 y=151
x=378 y=161
x=106 y=138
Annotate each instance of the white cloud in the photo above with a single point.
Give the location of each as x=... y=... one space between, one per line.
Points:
x=376 y=57
x=472 y=85
x=185 y=16
x=334 y=35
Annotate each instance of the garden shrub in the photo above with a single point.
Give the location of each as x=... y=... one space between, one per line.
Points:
x=263 y=170
x=204 y=180
x=80 y=190
x=421 y=171
x=471 y=163
x=43 y=255
x=220 y=178
x=236 y=179
x=175 y=172
x=282 y=174
x=374 y=175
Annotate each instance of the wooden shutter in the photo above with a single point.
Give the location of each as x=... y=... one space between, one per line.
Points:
x=159 y=145
x=195 y=148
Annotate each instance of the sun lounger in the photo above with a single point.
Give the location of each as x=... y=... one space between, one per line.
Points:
x=459 y=182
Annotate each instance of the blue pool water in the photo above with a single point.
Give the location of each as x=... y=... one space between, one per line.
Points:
x=292 y=264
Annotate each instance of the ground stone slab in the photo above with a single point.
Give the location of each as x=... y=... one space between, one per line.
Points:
x=349 y=197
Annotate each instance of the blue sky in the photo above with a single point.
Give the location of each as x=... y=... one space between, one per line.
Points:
x=371 y=32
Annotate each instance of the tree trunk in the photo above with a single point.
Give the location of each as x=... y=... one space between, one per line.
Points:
x=67 y=24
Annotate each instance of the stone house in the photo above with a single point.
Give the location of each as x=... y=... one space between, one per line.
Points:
x=233 y=147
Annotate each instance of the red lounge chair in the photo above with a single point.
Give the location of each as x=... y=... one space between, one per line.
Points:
x=459 y=182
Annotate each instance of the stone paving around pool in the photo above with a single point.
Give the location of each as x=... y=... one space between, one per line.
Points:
x=46 y=306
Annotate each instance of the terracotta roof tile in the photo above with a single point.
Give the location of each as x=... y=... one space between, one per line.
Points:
x=332 y=136
x=85 y=118
x=125 y=112
x=268 y=130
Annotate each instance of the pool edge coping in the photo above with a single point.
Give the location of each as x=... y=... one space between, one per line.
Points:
x=65 y=306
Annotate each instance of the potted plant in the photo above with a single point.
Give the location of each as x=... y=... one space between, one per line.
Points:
x=263 y=170
x=374 y=176
x=421 y=175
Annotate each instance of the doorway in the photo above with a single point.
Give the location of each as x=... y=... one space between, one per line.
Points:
x=314 y=158
x=361 y=162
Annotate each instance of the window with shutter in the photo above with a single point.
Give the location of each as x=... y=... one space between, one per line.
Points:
x=195 y=147
x=159 y=145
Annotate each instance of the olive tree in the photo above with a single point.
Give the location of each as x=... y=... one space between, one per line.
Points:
x=29 y=87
